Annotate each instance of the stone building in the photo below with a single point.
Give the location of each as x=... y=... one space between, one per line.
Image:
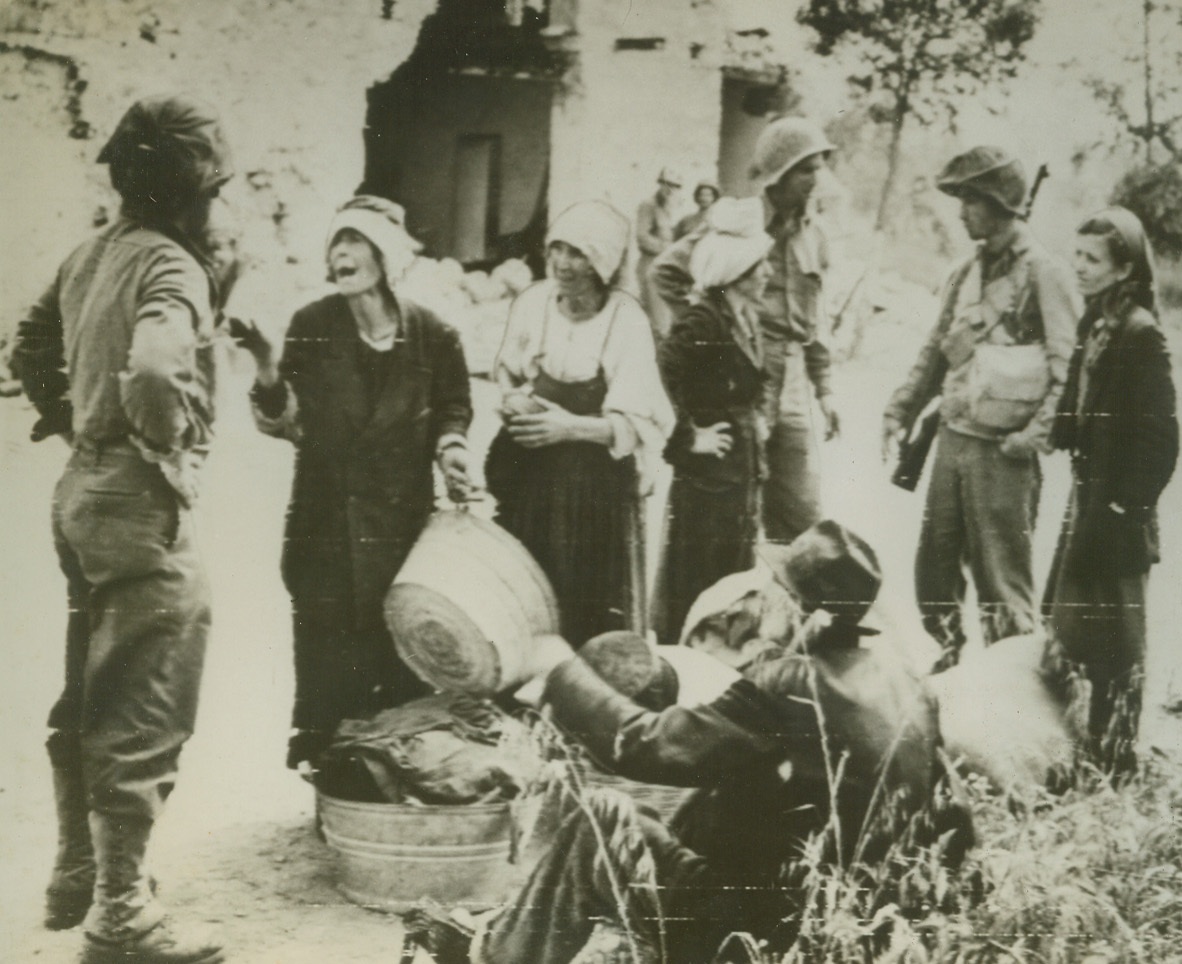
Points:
x=509 y=111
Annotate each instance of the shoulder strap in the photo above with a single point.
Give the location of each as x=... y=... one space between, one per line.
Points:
x=955 y=285
x=611 y=324
x=1021 y=296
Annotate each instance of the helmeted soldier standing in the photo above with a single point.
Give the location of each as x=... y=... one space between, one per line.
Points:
x=117 y=358
x=787 y=158
x=656 y=221
x=998 y=355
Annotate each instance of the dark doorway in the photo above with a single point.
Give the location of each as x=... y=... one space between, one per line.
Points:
x=747 y=106
x=476 y=197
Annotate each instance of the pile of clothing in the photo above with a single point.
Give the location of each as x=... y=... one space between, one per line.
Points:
x=442 y=749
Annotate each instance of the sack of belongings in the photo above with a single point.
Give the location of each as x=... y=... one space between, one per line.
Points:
x=1000 y=718
x=440 y=749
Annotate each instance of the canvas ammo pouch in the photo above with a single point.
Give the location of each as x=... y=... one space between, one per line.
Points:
x=1007 y=384
x=1006 y=381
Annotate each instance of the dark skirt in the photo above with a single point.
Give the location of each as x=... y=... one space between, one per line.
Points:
x=709 y=534
x=577 y=511
x=346 y=666
x=1097 y=620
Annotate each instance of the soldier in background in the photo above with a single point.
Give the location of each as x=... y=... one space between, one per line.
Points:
x=788 y=156
x=705 y=194
x=997 y=406
x=655 y=224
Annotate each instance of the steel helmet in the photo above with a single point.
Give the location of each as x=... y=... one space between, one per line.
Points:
x=167 y=150
x=986 y=172
x=782 y=145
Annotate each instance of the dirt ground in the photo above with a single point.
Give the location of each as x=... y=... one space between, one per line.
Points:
x=236 y=847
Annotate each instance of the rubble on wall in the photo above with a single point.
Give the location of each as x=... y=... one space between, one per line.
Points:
x=475 y=303
x=289 y=79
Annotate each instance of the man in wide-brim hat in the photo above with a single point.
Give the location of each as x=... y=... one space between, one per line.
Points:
x=768 y=758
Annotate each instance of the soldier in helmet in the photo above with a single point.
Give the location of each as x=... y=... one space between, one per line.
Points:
x=788 y=156
x=656 y=220
x=117 y=358
x=998 y=356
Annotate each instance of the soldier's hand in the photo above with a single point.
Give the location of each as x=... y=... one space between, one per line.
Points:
x=892 y=436
x=1018 y=446
x=832 y=419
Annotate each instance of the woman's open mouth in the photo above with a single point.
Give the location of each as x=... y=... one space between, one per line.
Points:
x=345 y=271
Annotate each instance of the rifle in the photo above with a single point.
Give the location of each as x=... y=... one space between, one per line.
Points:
x=913 y=450
x=1039 y=177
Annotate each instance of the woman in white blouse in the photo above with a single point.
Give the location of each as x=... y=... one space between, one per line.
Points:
x=584 y=414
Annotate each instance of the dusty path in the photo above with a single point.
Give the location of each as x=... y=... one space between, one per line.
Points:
x=235 y=847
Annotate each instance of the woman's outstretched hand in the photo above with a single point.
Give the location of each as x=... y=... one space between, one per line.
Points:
x=248 y=336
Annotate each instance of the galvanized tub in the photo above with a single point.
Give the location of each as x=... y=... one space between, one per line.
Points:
x=391 y=855
x=466 y=604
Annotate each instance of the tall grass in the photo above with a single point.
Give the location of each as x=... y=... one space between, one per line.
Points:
x=1093 y=876
x=1090 y=875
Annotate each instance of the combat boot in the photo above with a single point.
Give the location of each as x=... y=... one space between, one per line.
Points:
x=126 y=924
x=71 y=886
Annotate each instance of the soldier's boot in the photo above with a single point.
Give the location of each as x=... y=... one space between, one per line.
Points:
x=71 y=886
x=126 y=924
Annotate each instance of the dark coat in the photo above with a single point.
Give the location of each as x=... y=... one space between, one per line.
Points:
x=364 y=484
x=713 y=373
x=1123 y=441
x=758 y=757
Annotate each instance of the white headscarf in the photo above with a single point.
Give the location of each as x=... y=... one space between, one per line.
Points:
x=384 y=230
x=734 y=242
x=598 y=230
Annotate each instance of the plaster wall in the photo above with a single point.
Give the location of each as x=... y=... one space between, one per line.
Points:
x=288 y=78
x=628 y=113
x=424 y=142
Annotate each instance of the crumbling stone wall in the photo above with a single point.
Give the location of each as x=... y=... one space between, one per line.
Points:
x=288 y=76
x=627 y=112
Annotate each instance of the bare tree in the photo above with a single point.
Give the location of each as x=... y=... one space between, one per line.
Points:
x=1147 y=101
x=1146 y=104
x=921 y=58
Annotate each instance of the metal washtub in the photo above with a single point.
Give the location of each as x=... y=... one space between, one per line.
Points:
x=391 y=855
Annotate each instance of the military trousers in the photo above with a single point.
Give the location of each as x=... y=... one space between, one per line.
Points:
x=979 y=516
x=791 y=495
x=791 y=492
x=139 y=614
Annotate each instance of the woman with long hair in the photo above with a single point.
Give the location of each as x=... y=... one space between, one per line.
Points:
x=584 y=414
x=1117 y=419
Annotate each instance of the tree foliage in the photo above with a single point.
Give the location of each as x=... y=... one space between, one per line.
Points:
x=1153 y=192
x=1146 y=103
x=926 y=53
x=921 y=58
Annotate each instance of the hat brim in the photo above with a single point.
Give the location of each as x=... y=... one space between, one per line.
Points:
x=967 y=191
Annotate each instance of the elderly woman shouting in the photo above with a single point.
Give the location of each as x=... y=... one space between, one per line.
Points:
x=371 y=389
x=713 y=366
x=584 y=411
